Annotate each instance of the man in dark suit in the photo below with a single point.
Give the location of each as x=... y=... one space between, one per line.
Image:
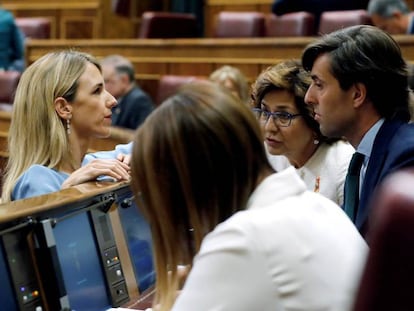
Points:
x=393 y=16
x=317 y=7
x=134 y=105
x=359 y=91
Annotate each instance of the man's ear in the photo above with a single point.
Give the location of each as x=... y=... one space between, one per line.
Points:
x=360 y=94
x=63 y=108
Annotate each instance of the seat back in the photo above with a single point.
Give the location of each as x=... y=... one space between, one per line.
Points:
x=169 y=84
x=387 y=280
x=168 y=25
x=8 y=85
x=290 y=24
x=239 y=25
x=121 y=7
x=335 y=20
x=34 y=27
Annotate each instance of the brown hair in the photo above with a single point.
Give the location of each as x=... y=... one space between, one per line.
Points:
x=195 y=162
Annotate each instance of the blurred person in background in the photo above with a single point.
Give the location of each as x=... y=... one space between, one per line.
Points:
x=232 y=79
x=11 y=43
x=134 y=105
x=392 y=16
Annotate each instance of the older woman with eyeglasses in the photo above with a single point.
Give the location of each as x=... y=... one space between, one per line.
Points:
x=292 y=136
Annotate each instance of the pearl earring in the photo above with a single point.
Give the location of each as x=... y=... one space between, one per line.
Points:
x=316 y=141
x=68 y=131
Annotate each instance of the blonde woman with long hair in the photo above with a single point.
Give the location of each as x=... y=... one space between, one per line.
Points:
x=60 y=105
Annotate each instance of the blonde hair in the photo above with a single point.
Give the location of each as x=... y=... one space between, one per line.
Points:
x=37 y=135
x=193 y=172
x=237 y=78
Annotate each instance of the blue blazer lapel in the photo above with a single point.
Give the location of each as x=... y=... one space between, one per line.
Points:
x=374 y=172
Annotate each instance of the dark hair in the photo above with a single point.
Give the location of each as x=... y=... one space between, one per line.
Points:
x=386 y=8
x=288 y=75
x=127 y=70
x=365 y=54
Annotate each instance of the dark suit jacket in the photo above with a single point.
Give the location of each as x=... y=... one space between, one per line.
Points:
x=316 y=7
x=411 y=30
x=132 y=109
x=393 y=149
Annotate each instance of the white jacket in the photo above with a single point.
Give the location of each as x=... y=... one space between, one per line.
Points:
x=292 y=249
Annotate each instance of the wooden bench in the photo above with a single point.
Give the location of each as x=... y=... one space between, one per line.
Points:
x=153 y=58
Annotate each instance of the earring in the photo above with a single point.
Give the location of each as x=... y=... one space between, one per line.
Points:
x=68 y=131
x=316 y=141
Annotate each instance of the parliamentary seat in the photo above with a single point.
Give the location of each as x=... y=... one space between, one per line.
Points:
x=169 y=84
x=296 y=24
x=335 y=20
x=8 y=85
x=121 y=7
x=239 y=24
x=387 y=279
x=168 y=25
x=34 y=27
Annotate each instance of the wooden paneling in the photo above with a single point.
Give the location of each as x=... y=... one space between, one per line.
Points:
x=96 y=19
x=5 y=117
x=69 y=19
x=85 y=19
x=116 y=26
x=153 y=58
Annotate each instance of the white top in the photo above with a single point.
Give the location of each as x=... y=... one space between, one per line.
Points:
x=291 y=249
x=325 y=171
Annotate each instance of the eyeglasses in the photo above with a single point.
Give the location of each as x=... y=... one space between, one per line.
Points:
x=283 y=119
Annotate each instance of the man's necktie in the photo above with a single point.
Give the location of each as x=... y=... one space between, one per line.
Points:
x=352 y=186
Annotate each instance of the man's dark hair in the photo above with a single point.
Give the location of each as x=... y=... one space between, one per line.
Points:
x=127 y=70
x=365 y=54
